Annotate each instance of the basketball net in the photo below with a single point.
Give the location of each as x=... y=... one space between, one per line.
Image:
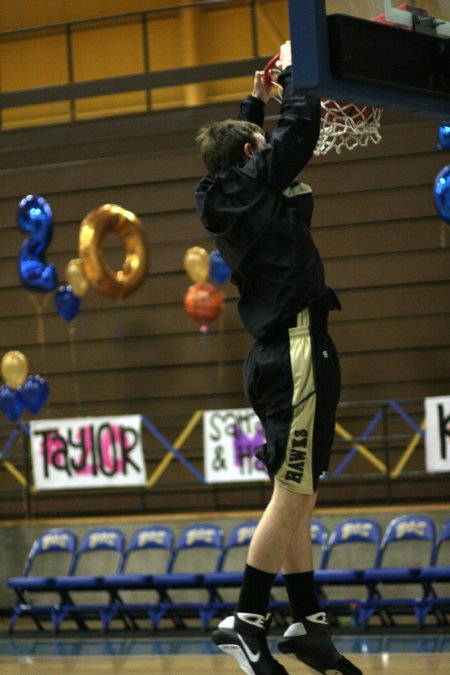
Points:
x=342 y=124
x=347 y=125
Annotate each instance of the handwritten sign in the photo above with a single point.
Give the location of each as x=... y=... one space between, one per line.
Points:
x=437 y=437
x=87 y=452
x=230 y=438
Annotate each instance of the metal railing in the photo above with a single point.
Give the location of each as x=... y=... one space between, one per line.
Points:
x=376 y=445
x=147 y=79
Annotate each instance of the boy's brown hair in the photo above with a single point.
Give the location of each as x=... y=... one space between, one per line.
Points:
x=222 y=143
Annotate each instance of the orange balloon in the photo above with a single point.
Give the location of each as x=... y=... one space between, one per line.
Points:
x=196 y=263
x=203 y=302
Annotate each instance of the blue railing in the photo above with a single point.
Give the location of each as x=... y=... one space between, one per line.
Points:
x=146 y=78
x=376 y=444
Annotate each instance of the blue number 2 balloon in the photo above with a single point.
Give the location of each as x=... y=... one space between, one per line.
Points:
x=35 y=217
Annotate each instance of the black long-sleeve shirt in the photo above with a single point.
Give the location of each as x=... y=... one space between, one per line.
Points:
x=259 y=218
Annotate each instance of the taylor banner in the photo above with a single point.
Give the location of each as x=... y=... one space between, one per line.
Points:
x=437 y=437
x=87 y=452
x=230 y=438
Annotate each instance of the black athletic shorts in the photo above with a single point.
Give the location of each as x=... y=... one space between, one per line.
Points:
x=293 y=383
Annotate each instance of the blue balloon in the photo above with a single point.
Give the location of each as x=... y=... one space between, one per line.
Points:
x=442 y=194
x=33 y=271
x=444 y=136
x=11 y=402
x=67 y=303
x=219 y=270
x=35 y=217
x=35 y=392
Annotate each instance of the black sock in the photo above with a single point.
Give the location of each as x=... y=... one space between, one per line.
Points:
x=255 y=591
x=302 y=595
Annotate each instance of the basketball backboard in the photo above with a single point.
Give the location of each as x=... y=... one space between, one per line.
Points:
x=423 y=15
x=352 y=51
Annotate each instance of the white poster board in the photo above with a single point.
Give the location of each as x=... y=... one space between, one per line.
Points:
x=230 y=438
x=87 y=452
x=437 y=437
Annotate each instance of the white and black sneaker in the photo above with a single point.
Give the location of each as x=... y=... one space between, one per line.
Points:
x=244 y=637
x=310 y=642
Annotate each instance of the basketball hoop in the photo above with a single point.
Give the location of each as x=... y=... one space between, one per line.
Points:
x=342 y=124
x=271 y=75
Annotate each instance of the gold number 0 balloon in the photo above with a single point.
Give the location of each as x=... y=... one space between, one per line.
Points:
x=112 y=218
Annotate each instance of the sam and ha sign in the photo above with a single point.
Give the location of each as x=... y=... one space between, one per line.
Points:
x=88 y=452
x=230 y=439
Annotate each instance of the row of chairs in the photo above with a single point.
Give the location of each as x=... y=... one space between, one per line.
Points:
x=199 y=574
x=402 y=571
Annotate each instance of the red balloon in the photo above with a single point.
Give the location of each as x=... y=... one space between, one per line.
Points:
x=203 y=302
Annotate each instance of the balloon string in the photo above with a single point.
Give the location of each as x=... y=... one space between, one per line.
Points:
x=40 y=328
x=40 y=333
x=119 y=318
x=204 y=331
x=74 y=360
x=221 y=353
x=123 y=352
x=443 y=243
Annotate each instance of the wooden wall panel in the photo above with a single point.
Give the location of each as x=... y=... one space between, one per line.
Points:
x=385 y=252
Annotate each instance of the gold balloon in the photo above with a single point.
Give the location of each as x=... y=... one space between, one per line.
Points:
x=196 y=263
x=14 y=368
x=94 y=227
x=76 y=278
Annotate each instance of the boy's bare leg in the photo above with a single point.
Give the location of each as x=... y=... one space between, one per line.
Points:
x=282 y=539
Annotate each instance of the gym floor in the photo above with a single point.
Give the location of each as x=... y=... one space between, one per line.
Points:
x=411 y=654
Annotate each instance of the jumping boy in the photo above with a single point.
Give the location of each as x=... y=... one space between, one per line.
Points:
x=259 y=217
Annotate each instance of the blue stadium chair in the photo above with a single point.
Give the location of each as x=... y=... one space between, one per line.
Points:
x=132 y=591
x=235 y=551
x=224 y=583
x=441 y=553
x=436 y=578
x=83 y=591
x=150 y=550
x=51 y=555
x=319 y=541
x=351 y=548
x=183 y=591
x=395 y=583
x=354 y=531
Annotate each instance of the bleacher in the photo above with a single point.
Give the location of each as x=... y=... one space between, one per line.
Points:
x=400 y=574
